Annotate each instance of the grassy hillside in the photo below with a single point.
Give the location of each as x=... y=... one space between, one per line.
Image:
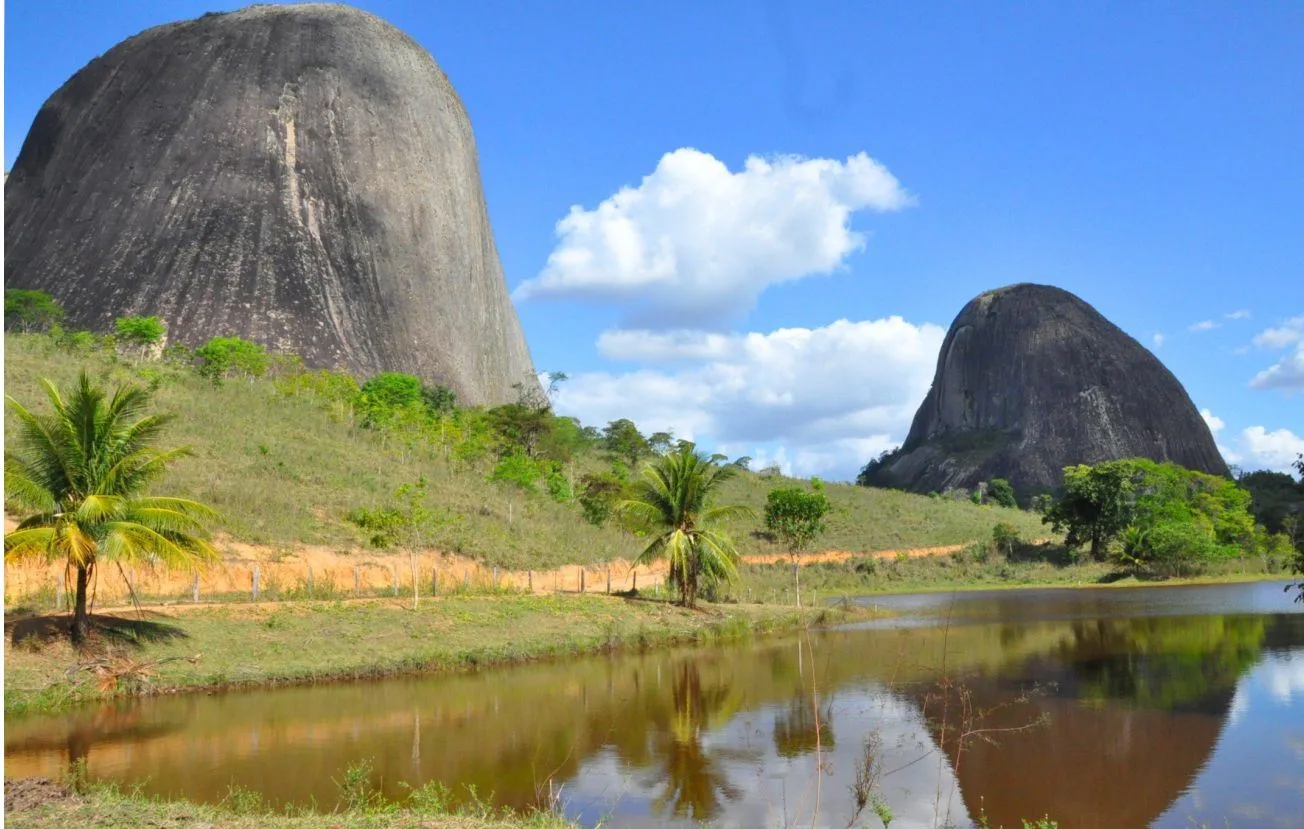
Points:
x=283 y=472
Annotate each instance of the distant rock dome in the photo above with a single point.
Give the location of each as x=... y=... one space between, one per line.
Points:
x=303 y=176
x=1031 y=379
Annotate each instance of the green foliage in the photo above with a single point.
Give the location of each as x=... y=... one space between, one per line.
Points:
x=1095 y=506
x=79 y=472
x=389 y=397
x=599 y=495
x=27 y=310
x=1000 y=491
x=518 y=469
x=559 y=487
x=224 y=358
x=1278 y=501
x=661 y=442
x=141 y=332
x=407 y=522
x=336 y=391
x=1005 y=537
x=675 y=497
x=623 y=439
x=521 y=427
x=1171 y=520
x=564 y=439
x=439 y=400
x=795 y=516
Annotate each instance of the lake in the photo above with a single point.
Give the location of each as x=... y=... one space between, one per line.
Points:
x=1104 y=708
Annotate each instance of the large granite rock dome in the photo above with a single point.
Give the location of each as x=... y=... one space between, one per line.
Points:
x=304 y=176
x=1031 y=379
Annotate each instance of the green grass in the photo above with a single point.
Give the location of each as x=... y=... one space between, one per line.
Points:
x=283 y=473
x=317 y=641
x=968 y=569
x=109 y=807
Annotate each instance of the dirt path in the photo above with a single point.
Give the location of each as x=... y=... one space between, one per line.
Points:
x=321 y=572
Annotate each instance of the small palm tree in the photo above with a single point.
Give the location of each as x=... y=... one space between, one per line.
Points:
x=674 y=496
x=80 y=470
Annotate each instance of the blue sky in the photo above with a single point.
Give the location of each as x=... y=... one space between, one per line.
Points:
x=1144 y=156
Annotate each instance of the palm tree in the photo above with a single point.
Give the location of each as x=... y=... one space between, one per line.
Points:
x=674 y=496
x=80 y=470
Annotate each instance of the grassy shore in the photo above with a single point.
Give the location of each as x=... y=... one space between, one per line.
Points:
x=293 y=642
x=46 y=805
x=970 y=569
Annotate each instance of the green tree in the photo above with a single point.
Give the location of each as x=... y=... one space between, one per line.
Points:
x=623 y=439
x=407 y=523
x=796 y=518
x=139 y=332
x=675 y=497
x=223 y=358
x=27 y=310
x=80 y=472
x=600 y=495
x=1095 y=506
x=521 y=427
x=439 y=400
x=661 y=442
x=383 y=398
x=1000 y=491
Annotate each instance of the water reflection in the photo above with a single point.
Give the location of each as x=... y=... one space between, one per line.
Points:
x=771 y=733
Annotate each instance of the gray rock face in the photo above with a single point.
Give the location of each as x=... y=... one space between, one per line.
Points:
x=1031 y=379
x=302 y=176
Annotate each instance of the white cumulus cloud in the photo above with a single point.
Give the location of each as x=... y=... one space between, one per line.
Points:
x=817 y=400
x=1158 y=340
x=1242 y=314
x=1290 y=331
x=695 y=240
x=1275 y=450
x=1202 y=326
x=1287 y=373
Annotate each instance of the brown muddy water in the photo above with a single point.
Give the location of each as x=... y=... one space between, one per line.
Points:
x=1159 y=707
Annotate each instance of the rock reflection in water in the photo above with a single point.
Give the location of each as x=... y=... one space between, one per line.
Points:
x=1136 y=707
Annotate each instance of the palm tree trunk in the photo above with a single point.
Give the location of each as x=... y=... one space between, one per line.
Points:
x=80 y=625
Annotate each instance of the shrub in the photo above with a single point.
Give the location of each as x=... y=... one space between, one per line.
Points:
x=223 y=358
x=27 y=310
x=598 y=496
x=1005 y=537
x=1000 y=491
x=139 y=331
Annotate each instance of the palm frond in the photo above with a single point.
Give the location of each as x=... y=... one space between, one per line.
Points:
x=29 y=543
x=728 y=512
x=99 y=508
x=22 y=487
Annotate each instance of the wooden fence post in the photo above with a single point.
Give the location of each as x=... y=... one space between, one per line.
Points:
x=59 y=594
x=393 y=571
x=257 y=575
x=581 y=579
x=434 y=583
x=608 y=579
x=635 y=581
x=357 y=582
x=529 y=580
x=194 y=589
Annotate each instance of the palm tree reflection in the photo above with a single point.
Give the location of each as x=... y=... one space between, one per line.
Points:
x=693 y=778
